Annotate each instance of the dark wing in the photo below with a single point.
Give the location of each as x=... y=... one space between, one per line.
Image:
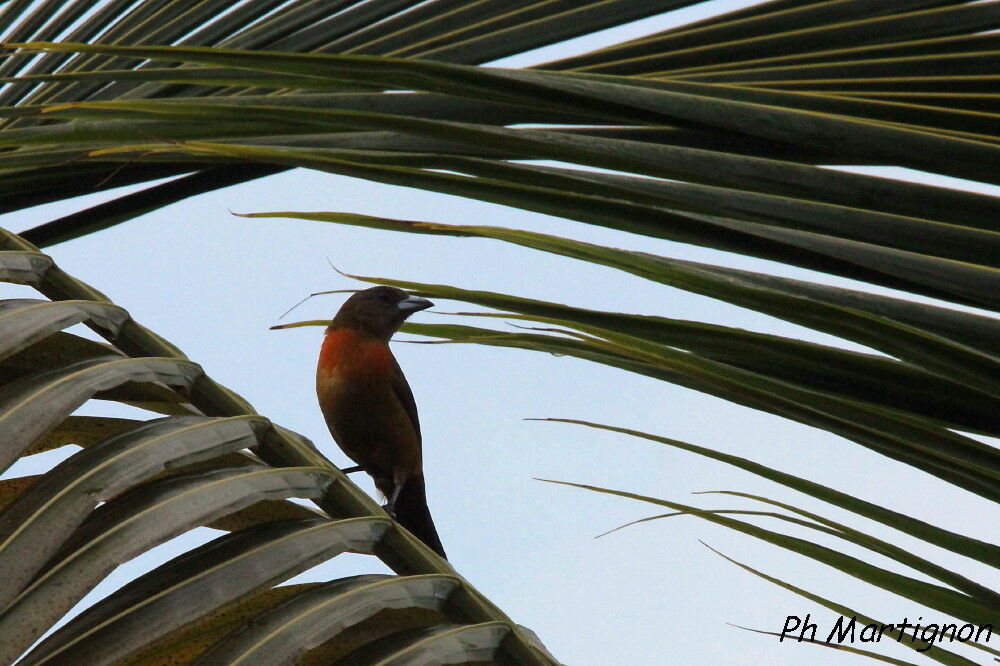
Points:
x=402 y=391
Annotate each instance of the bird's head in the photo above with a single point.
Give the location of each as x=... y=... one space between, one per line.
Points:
x=378 y=311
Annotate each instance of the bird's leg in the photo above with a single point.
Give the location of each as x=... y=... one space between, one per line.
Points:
x=351 y=470
x=390 y=506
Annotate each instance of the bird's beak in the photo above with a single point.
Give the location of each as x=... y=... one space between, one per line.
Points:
x=413 y=304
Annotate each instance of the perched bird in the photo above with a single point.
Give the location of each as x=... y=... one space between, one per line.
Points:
x=369 y=407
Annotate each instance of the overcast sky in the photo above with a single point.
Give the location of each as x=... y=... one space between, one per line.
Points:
x=212 y=284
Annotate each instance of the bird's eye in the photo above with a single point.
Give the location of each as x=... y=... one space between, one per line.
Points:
x=385 y=296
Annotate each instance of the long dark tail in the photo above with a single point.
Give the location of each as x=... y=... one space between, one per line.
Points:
x=413 y=514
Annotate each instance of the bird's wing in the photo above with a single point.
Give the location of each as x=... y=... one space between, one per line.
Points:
x=402 y=391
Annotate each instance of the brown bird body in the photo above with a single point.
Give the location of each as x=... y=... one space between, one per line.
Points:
x=368 y=404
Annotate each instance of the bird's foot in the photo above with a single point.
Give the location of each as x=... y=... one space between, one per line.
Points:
x=390 y=506
x=351 y=470
x=390 y=509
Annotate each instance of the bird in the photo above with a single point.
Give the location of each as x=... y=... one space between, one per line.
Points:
x=369 y=407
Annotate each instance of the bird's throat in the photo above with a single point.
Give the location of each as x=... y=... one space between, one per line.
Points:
x=346 y=353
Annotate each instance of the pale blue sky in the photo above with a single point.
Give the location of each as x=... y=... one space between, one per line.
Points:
x=212 y=284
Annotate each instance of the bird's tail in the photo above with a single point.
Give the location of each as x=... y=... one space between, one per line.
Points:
x=413 y=514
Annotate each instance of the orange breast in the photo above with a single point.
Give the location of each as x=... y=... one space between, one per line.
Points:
x=344 y=353
x=354 y=385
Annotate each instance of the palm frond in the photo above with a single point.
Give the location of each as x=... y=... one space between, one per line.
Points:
x=136 y=484
x=739 y=132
